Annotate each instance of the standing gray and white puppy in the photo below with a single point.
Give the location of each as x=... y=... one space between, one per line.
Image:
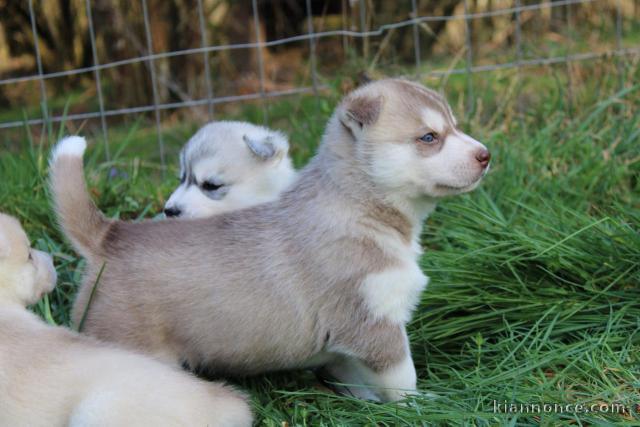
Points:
x=327 y=275
x=230 y=165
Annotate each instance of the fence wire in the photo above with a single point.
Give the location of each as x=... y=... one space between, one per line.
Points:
x=363 y=33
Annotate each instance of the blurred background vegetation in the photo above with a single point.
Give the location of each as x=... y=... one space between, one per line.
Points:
x=64 y=43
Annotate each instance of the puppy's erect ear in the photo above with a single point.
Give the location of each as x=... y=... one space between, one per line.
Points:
x=360 y=111
x=271 y=146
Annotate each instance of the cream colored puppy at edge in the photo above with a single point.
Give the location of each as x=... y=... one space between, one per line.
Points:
x=325 y=276
x=50 y=376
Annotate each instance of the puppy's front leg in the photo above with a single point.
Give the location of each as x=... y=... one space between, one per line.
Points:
x=397 y=381
x=382 y=369
x=351 y=374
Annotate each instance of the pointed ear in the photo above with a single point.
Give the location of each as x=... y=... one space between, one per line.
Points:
x=359 y=111
x=271 y=146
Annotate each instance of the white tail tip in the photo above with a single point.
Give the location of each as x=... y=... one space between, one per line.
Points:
x=73 y=146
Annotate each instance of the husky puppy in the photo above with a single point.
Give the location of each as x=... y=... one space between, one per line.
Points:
x=325 y=276
x=50 y=376
x=230 y=165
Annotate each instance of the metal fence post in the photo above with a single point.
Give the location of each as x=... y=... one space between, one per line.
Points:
x=416 y=36
x=619 y=43
x=154 y=82
x=259 y=47
x=205 y=55
x=44 y=106
x=518 y=33
x=96 y=75
x=470 y=101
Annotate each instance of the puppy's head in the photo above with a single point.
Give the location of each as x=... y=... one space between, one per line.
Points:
x=407 y=140
x=230 y=165
x=26 y=274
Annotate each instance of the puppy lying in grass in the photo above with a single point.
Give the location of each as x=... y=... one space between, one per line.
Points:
x=325 y=276
x=50 y=376
x=230 y=165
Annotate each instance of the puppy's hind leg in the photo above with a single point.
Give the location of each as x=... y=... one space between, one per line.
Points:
x=377 y=367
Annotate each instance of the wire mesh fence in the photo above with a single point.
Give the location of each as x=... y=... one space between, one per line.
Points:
x=359 y=32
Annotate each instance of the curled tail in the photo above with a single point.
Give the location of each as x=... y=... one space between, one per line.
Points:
x=81 y=221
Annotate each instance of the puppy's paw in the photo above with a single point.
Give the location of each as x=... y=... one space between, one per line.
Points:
x=73 y=146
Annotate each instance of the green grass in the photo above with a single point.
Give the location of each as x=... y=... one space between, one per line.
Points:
x=535 y=277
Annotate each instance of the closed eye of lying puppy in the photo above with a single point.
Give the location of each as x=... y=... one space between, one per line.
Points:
x=50 y=376
x=325 y=276
x=230 y=165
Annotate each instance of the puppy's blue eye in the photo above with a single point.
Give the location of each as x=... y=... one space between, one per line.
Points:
x=428 y=137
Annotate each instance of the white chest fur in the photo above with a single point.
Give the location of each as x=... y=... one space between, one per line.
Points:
x=394 y=293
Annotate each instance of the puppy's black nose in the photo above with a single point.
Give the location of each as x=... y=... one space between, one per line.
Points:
x=483 y=156
x=173 y=211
